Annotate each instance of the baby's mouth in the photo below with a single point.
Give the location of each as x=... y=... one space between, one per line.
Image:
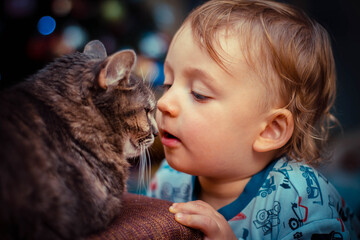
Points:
x=168 y=140
x=170 y=136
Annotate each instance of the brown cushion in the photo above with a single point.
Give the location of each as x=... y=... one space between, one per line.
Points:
x=146 y=218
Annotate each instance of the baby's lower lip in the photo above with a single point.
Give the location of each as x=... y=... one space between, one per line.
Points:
x=169 y=141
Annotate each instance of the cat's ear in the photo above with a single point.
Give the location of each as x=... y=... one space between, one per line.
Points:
x=117 y=69
x=96 y=49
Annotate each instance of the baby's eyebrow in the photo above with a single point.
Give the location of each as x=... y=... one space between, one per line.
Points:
x=201 y=74
x=195 y=73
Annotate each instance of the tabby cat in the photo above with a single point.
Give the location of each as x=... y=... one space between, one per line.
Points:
x=66 y=135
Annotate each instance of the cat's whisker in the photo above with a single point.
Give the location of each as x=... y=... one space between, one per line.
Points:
x=151 y=81
x=148 y=174
x=142 y=75
x=140 y=172
x=144 y=169
x=148 y=78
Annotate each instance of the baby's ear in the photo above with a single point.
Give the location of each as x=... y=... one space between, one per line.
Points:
x=276 y=132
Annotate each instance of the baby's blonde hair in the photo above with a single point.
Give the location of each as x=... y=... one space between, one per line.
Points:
x=289 y=51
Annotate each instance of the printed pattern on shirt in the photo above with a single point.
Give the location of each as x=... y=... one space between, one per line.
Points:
x=294 y=202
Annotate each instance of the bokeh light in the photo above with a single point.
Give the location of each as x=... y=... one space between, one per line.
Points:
x=46 y=25
x=163 y=16
x=61 y=7
x=159 y=77
x=153 y=45
x=75 y=36
x=112 y=10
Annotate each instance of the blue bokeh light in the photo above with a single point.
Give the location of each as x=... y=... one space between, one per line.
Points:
x=46 y=25
x=153 y=45
x=75 y=36
x=160 y=77
x=164 y=16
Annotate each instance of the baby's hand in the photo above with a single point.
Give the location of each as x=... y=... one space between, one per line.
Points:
x=200 y=215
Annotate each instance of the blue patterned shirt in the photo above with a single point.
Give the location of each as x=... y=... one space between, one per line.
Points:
x=286 y=200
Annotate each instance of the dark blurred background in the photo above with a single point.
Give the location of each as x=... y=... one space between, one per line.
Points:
x=29 y=41
x=34 y=32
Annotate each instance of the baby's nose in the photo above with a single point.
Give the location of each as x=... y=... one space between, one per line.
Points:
x=167 y=104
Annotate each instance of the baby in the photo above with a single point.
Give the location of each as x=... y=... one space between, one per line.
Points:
x=248 y=90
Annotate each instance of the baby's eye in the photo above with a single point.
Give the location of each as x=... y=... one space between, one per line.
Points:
x=199 y=97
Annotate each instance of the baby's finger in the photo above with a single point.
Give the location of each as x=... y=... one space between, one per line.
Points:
x=194 y=207
x=202 y=222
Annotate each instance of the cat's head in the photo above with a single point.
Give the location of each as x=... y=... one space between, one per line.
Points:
x=125 y=100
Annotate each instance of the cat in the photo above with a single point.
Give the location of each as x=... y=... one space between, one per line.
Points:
x=66 y=135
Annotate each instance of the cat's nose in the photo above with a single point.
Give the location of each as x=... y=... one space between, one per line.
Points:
x=155 y=131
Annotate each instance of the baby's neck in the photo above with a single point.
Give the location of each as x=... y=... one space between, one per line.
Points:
x=219 y=194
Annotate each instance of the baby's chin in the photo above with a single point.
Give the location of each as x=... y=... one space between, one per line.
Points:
x=182 y=166
x=175 y=162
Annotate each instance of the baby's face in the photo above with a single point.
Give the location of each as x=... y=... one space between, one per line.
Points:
x=209 y=119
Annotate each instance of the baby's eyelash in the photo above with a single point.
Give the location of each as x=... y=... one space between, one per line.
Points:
x=199 y=97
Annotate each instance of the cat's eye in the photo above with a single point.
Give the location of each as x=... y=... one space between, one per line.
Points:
x=166 y=87
x=149 y=110
x=163 y=88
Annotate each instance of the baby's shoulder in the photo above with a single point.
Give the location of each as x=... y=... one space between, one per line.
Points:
x=303 y=198
x=301 y=178
x=295 y=201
